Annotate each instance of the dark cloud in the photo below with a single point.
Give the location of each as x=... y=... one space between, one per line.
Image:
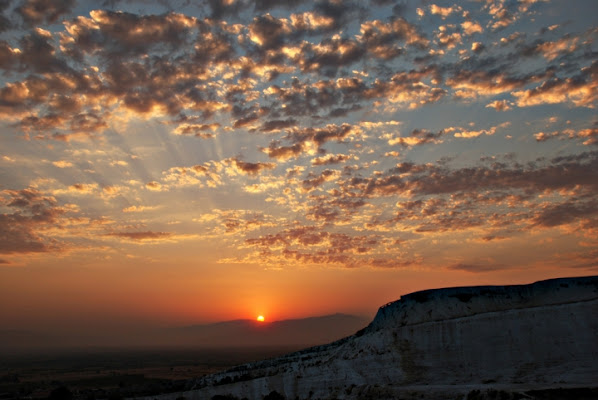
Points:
x=275 y=150
x=330 y=55
x=141 y=236
x=496 y=198
x=48 y=11
x=251 y=168
x=22 y=230
x=36 y=54
x=304 y=138
x=430 y=180
x=204 y=131
x=564 y=213
x=264 y=5
x=340 y=11
x=302 y=99
x=9 y=58
x=278 y=124
x=222 y=8
x=246 y=121
x=477 y=268
x=383 y=39
x=118 y=34
x=314 y=180
x=5 y=23
x=330 y=159
x=268 y=32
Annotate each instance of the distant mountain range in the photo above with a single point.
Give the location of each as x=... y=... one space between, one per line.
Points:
x=239 y=333
x=294 y=332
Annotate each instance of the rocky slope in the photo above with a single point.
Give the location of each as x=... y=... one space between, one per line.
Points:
x=443 y=343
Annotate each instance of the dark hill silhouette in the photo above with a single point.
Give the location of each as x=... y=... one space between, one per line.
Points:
x=294 y=332
x=239 y=333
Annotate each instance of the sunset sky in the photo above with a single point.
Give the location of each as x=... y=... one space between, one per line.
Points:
x=178 y=162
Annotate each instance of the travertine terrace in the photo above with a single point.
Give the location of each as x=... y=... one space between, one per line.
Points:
x=443 y=342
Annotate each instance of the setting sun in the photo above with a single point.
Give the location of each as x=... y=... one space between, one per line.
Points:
x=260 y=318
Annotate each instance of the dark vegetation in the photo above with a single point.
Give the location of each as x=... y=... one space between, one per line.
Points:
x=116 y=374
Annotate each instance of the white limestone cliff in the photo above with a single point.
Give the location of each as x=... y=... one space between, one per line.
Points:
x=441 y=343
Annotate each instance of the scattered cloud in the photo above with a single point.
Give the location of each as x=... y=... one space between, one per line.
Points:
x=29 y=214
x=344 y=120
x=142 y=236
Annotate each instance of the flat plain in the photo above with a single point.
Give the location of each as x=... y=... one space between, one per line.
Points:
x=117 y=373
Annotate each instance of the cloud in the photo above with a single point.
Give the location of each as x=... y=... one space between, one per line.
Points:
x=471 y=27
x=407 y=88
x=275 y=150
x=581 y=90
x=221 y=8
x=277 y=125
x=48 y=11
x=142 y=236
x=552 y=50
x=494 y=200
x=449 y=39
x=263 y=5
x=588 y=135
x=556 y=214
x=154 y=186
x=382 y=39
x=487 y=83
x=314 y=180
x=417 y=137
x=443 y=12
x=119 y=33
x=21 y=231
x=477 y=47
x=37 y=52
x=308 y=140
x=203 y=131
x=62 y=164
x=501 y=13
x=329 y=55
x=251 y=168
x=477 y=268
x=78 y=189
x=211 y=174
x=309 y=245
x=472 y=134
x=235 y=221
x=424 y=179
x=269 y=32
x=295 y=79
x=499 y=105
x=331 y=159
x=137 y=209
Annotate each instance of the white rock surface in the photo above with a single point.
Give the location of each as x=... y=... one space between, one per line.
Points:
x=441 y=344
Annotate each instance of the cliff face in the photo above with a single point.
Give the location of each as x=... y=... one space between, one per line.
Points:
x=443 y=342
